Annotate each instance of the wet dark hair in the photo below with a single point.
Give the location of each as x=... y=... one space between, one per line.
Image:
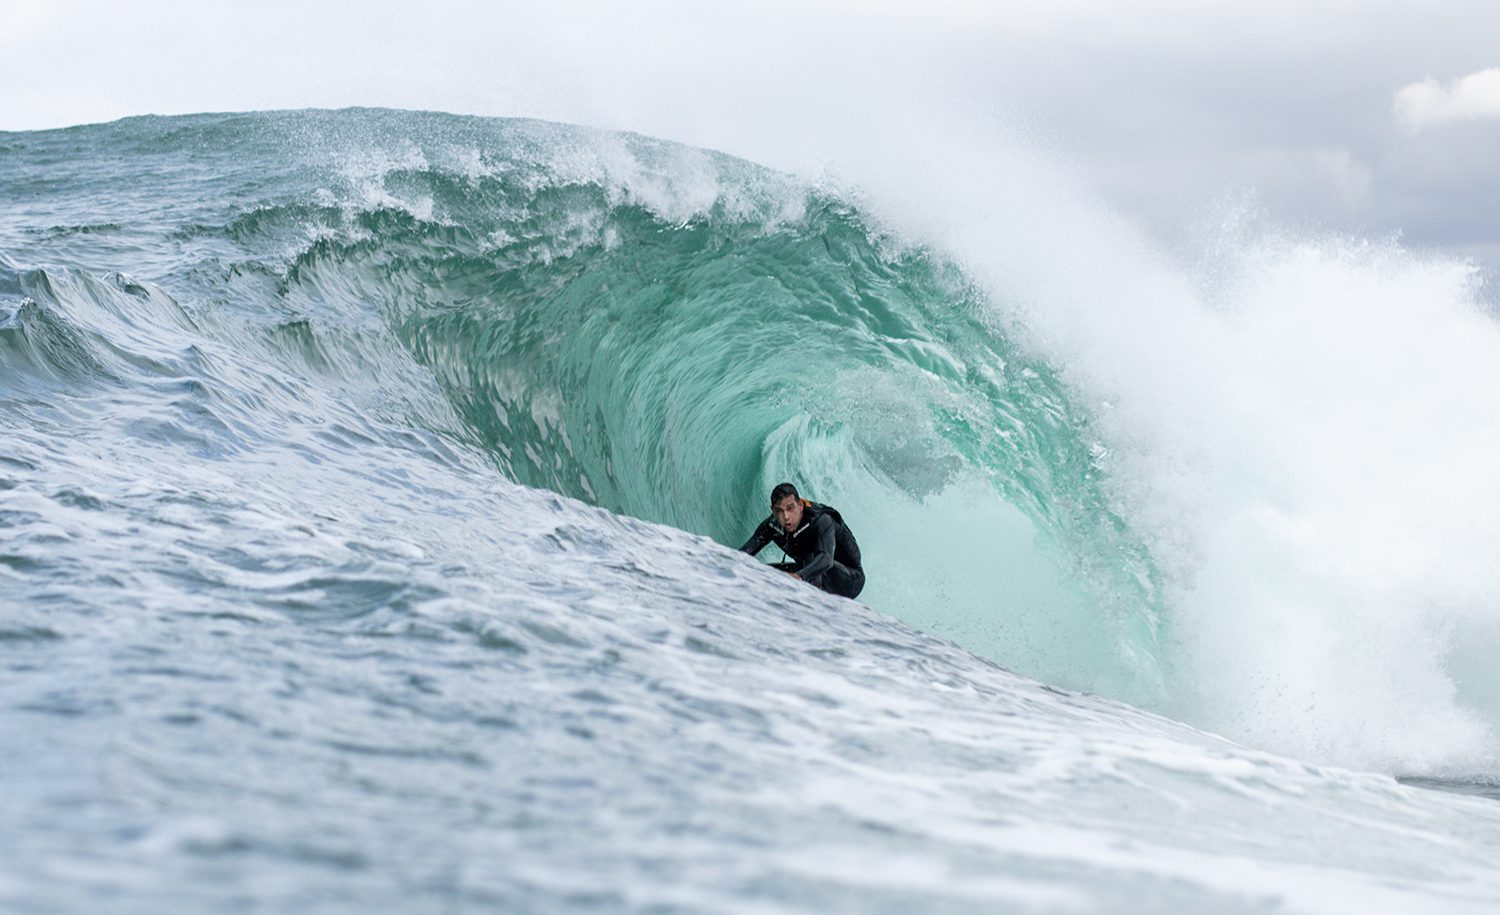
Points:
x=783 y=490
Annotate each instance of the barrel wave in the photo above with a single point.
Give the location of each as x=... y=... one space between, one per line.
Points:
x=269 y=382
x=675 y=367
x=668 y=332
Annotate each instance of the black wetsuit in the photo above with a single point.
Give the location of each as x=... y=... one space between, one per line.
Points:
x=823 y=548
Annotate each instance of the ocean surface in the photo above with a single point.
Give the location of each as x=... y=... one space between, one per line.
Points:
x=369 y=483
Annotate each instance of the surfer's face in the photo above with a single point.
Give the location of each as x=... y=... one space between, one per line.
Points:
x=788 y=513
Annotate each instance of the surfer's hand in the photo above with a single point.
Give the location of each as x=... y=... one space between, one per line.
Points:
x=795 y=575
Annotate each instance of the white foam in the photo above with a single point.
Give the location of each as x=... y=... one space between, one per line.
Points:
x=1303 y=430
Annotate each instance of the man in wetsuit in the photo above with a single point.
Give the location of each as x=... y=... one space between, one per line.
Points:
x=815 y=537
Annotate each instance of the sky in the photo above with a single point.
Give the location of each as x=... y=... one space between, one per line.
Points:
x=1374 y=119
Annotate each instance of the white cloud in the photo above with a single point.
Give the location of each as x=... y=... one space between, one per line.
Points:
x=1421 y=105
x=1162 y=106
x=23 y=19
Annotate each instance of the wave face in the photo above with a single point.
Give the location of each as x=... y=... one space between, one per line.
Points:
x=281 y=613
x=671 y=352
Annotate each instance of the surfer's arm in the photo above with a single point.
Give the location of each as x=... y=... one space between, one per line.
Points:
x=759 y=539
x=822 y=557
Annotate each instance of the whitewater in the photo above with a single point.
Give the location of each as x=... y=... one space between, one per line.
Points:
x=369 y=482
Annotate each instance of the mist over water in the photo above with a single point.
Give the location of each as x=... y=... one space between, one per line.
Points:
x=270 y=382
x=1295 y=426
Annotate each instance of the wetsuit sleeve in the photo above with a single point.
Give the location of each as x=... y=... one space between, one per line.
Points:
x=759 y=539
x=822 y=557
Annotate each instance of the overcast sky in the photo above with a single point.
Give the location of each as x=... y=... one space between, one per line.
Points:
x=1366 y=117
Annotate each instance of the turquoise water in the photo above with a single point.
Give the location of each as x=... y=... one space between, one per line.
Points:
x=364 y=490
x=658 y=331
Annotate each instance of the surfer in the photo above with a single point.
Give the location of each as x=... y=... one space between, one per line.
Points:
x=814 y=536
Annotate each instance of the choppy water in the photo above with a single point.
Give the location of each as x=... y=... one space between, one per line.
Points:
x=325 y=440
